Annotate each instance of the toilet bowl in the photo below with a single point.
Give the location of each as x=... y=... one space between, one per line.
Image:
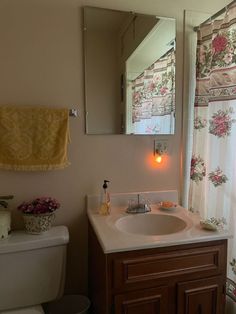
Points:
x=32 y=270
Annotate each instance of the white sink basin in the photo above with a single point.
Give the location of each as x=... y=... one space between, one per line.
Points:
x=150 y=224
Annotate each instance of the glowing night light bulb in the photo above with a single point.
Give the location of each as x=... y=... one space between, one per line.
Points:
x=158 y=158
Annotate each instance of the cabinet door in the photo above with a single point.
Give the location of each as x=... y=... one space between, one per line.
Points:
x=204 y=296
x=148 y=301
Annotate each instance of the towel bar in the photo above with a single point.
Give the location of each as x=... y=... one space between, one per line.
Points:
x=73 y=112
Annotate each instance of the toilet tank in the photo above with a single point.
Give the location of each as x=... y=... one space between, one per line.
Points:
x=32 y=267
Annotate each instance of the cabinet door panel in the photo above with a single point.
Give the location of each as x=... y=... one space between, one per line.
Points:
x=202 y=296
x=151 y=301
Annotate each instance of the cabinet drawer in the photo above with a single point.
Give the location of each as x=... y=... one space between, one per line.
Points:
x=141 y=268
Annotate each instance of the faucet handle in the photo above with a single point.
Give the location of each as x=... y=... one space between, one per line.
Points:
x=144 y=201
x=140 y=207
x=147 y=207
x=131 y=203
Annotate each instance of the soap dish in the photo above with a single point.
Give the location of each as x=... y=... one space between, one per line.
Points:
x=213 y=224
x=167 y=205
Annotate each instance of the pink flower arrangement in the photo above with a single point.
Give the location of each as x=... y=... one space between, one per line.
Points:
x=217 y=177
x=40 y=205
x=151 y=86
x=221 y=123
x=163 y=90
x=219 y=43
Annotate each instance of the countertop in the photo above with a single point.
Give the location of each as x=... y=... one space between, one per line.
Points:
x=113 y=240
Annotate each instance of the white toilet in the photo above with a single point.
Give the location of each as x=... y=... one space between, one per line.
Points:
x=32 y=270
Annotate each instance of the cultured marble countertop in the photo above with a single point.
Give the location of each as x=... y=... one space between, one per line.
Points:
x=113 y=240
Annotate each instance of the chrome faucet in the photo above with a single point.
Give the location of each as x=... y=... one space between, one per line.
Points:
x=138 y=208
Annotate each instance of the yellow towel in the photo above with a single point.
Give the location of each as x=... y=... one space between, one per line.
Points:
x=33 y=138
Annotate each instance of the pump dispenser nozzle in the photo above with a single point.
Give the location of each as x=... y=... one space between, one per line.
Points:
x=105 y=184
x=105 y=200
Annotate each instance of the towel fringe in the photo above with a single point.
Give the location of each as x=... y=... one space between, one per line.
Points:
x=34 y=167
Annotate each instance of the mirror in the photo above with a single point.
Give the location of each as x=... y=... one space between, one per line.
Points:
x=129 y=72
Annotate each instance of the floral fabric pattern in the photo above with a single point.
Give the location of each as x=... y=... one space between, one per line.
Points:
x=216 y=63
x=219 y=44
x=221 y=122
x=198 y=169
x=233 y=264
x=199 y=123
x=217 y=177
x=223 y=48
x=154 y=89
x=231 y=288
x=217 y=53
x=214 y=131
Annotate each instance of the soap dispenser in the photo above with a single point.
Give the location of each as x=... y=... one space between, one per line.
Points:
x=104 y=208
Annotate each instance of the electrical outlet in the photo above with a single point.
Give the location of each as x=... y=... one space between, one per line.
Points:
x=161 y=146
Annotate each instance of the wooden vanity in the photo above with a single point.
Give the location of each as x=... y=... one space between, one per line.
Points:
x=147 y=271
x=178 y=279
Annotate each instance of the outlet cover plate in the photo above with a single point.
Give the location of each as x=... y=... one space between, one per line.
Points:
x=161 y=146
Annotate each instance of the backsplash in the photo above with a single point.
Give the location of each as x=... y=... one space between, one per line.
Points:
x=122 y=199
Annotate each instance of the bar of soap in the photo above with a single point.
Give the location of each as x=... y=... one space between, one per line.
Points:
x=5 y=223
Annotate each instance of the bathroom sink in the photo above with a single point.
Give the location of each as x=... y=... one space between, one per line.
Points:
x=150 y=224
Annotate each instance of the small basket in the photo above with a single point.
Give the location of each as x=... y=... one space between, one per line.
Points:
x=38 y=223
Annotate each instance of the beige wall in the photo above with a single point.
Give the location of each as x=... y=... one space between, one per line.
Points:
x=41 y=63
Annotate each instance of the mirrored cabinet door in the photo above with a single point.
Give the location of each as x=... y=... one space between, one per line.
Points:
x=129 y=72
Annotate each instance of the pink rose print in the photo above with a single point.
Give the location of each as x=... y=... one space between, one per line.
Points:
x=219 y=43
x=221 y=123
x=217 y=177
x=163 y=90
x=151 y=86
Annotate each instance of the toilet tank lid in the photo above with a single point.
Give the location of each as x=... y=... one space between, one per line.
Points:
x=22 y=241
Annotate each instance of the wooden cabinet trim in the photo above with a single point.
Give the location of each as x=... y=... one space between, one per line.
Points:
x=127 y=271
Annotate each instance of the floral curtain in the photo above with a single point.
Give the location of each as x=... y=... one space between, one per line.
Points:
x=154 y=97
x=213 y=164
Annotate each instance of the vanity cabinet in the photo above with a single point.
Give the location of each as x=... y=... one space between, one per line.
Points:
x=180 y=279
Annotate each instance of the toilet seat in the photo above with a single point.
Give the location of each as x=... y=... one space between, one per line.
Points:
x=27 y=310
